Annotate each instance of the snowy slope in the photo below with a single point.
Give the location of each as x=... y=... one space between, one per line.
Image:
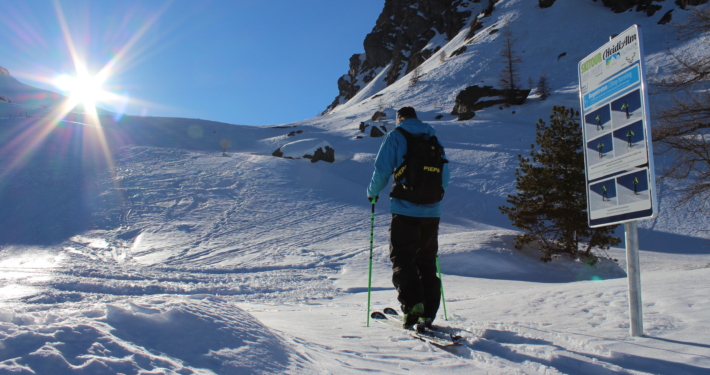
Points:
x=137 y=248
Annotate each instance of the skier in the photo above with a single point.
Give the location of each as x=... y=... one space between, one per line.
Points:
x=625 y=107
x=630 y=134
x=414 y=227
x=600 y=148
x=599 y=122
x=636 y=182
x=604 y=194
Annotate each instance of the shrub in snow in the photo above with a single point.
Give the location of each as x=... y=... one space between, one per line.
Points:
x=551 y=205
x=224 y=145
x=414 y=76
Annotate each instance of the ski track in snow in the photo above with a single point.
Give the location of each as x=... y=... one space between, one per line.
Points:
x=172 y=259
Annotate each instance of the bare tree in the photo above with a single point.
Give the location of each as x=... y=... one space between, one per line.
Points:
x=224 y=144
x=414 y=78
x=543 y=86
x=510 y=75
x=682 y=127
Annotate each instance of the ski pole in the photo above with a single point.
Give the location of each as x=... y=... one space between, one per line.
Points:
x=441 y=282
x=369 y=278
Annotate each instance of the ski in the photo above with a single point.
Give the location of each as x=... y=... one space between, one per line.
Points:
x=390 y=318
x=440 y=331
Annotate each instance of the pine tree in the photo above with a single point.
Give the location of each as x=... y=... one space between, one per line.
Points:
x=550 y=206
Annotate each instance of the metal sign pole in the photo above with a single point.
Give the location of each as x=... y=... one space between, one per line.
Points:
x=634 y=276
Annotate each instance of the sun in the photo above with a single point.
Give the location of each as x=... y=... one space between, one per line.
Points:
x=83 y=88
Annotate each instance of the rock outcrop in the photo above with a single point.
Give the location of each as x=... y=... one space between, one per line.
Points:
x=313 y=149
x=376 y=132
x=398 y=40
x=328 y=155
x=468 y=100
x=684 y=3
x=648 y=6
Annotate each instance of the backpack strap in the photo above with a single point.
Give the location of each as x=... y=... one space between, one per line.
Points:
x=407 y=135
x=399 y=171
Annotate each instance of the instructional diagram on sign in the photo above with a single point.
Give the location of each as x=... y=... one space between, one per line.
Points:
x=620 y=195
x=615 y=136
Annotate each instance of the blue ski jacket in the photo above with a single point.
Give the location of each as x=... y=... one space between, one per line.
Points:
x=391 y=156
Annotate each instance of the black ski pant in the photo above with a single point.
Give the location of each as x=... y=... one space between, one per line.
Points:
x=413 y=250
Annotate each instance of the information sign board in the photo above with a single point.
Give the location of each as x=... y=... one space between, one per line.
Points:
x=617 y=144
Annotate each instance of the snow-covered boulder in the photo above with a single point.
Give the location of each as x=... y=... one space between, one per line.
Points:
x=312 y=148
x=376 y=132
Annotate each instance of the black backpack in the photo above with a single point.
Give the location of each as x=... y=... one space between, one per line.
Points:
x=419 y=178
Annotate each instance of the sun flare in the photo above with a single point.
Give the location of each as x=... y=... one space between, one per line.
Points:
x=83 y=89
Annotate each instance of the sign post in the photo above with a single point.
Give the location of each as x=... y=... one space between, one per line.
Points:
x=634 y=276
x=618 y=154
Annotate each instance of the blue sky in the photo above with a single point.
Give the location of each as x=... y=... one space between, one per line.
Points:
x=244 y=62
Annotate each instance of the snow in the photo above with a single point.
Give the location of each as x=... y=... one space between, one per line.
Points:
x=157 y=255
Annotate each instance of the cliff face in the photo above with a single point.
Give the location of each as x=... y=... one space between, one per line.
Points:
x=404 y=35
x=401 y=33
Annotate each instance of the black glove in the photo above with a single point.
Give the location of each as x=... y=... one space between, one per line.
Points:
x=370 y=199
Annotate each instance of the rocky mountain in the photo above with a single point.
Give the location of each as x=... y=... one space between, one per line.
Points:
x=400 y=41
x=408 y=32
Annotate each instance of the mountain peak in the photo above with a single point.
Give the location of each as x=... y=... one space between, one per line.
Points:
x=4 y=71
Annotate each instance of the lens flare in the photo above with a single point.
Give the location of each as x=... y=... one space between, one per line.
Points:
x=85 y=89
